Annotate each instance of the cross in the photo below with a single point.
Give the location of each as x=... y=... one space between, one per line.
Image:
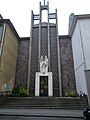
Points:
x=44 y=2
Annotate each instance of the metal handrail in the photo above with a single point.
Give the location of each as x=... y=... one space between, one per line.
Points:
x=82 y=94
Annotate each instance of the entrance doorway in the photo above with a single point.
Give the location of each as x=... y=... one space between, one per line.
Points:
x=43 y=85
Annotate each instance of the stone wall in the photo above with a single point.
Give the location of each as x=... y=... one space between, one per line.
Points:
x=66 y=59
x=22 y=62
x=67 y=66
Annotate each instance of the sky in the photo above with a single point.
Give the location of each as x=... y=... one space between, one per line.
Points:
x=19 y=12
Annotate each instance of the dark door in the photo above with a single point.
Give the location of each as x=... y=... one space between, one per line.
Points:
x=44 y=86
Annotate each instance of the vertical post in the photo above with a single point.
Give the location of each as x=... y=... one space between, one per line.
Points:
x=2 y=40
x=48 y=36
x=60 y=82
x=29 y=63
x=39 y=49
x=44 y=2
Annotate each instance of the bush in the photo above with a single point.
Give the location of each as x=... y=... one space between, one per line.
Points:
x=66 y=94
x=15 y=91
x=71 y=94
x=23 y=92
x=19 y=92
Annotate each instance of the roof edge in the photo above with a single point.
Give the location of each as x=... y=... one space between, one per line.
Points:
x=64 y=36
x=24 y=38
x=76 y=17
x=11 y=25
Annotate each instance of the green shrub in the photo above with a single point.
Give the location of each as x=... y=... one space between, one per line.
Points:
x=19 y=92
x=23 y=92
x=66 y=94
x=71 y=94
x=15 y=91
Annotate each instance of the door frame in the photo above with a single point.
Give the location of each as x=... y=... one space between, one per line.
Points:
x=37 y=83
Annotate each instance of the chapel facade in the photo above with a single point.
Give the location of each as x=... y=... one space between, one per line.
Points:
x=43 y=62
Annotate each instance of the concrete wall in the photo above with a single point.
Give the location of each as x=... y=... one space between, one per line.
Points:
x=8 y=59
x=87 y=75
x=85 y=33
x=77 y=47
x=79 y=58
x=67 y=66
x=80 y=80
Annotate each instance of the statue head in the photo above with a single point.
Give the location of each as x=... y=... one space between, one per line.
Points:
x=41 y=57
x=45 y=57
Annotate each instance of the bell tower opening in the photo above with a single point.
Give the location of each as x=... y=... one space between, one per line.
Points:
x=44 y=16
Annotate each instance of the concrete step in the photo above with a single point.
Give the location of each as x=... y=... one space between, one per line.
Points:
x=45 y=102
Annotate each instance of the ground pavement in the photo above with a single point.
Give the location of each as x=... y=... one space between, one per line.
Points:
x=40 y=114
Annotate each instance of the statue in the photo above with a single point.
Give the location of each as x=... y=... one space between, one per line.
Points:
x=44 y=65
x=41 y=64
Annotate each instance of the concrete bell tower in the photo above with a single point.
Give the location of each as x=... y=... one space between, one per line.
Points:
x=44 y=41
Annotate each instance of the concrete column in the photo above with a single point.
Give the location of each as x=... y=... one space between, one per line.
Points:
x=37 y=85
x=48 y=36
x=50 y=84
x=39 y=47
x=59 y=66
x=29 y=63
x=2 y=40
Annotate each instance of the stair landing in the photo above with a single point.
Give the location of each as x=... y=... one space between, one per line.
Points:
x=45 y=102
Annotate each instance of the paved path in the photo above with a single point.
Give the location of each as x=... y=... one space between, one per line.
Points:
x=58 y=113
x=36 y=118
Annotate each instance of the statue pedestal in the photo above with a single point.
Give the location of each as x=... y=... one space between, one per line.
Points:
x=37 y=83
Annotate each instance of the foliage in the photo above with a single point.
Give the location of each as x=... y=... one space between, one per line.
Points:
x=23 y=92
x=66 y=94
x=19 y=92
x=15 y=91
x=71 y=94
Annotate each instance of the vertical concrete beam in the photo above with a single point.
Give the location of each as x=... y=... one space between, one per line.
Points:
x=59 y=66
x=44 y=2
x=39 y=47
x=2 y=40
x=29 y=62
x=48 y=36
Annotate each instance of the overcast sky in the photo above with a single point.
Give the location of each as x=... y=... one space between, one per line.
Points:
x=19 y=12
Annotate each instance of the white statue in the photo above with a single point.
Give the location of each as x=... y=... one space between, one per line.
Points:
x=44 y=65
x=41 y=64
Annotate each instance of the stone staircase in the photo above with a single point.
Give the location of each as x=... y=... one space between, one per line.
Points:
x=45 y=102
